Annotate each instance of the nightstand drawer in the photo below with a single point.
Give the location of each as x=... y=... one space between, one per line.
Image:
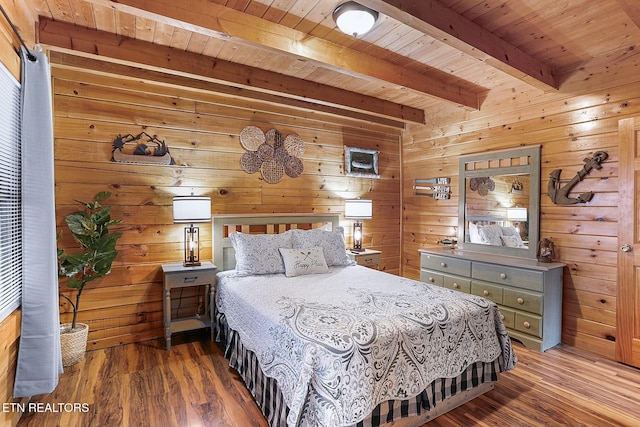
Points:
x=450 y=265
x=369 y=259
x=188 y=278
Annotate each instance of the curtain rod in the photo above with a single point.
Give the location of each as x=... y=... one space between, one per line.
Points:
x=30 y=55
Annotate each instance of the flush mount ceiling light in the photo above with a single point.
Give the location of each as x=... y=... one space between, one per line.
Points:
x=354 y=19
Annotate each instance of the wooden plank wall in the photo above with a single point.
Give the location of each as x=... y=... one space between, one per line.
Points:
x=9 y=337
x=201 y=129
x=570 y=125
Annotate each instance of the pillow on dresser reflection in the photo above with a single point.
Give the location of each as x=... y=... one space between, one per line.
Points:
x=490 y=234
x=512 y=231
x=474 y=235
x=510 y=241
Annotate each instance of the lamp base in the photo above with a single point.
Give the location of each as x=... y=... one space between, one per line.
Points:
x=191 y=263
x=356 y=251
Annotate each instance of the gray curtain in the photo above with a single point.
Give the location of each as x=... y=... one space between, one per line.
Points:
x=39 y=356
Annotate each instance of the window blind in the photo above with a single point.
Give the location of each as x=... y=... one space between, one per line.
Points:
x=10 y=195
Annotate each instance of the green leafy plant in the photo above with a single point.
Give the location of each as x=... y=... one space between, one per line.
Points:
x=90 y=229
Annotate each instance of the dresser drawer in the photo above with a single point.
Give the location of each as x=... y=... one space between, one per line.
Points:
x=529 y=324
x=457 y=283
x=521 y=300
x=461 y=267
x=527 y=279
x=508 y=317
x=431 y=277
x=487 y=290
x=188 y=278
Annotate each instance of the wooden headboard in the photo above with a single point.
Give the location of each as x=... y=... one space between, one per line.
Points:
x=223 y=225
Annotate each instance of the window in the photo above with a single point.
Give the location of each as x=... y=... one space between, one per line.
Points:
x=10 y=200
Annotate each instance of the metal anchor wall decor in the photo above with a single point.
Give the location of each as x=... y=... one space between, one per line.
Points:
x=560 y=194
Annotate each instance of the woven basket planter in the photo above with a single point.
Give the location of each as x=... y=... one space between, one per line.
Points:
x=73 y=343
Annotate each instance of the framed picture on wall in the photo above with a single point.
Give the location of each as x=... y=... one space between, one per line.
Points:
x=361 y=162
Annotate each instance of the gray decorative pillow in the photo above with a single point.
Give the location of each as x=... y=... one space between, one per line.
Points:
x=258 y=253
x=331 y=242
x=491 y=234
x=298 y=262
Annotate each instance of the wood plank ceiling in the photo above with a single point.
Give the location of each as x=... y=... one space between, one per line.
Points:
x=419 y=54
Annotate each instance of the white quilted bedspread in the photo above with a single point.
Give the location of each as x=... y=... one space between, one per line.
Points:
x=345 y=341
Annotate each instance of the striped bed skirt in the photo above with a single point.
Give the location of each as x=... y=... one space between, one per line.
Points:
x=269 y=398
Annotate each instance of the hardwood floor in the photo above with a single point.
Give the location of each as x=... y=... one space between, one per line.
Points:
x=142 y=384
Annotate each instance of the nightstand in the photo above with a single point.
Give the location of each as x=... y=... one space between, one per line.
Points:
x=368 y=258
x=178 y=276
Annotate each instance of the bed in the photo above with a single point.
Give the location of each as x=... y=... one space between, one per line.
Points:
x=320 y=341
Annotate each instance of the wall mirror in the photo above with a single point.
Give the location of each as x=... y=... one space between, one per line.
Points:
x=499 y=203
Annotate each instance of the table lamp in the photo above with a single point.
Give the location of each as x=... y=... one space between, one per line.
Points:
x=190 y=210
x=358 y=209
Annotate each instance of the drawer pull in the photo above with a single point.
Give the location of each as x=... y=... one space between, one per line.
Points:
x=368 y=260
x=443 y=264
x=190 y=279
x=456 y=286
x=527 y=325
x=485 y=292
x=431 y=279
x=520 y=301
x=503 y=275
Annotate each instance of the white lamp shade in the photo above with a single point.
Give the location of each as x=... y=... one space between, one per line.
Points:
x=354 y=19
x=358 y=209
x=191 y=209
x=517 y=214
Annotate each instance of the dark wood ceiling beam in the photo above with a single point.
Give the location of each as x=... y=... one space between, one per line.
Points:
x=441 y=23
x=162 y=58
x=222 y=22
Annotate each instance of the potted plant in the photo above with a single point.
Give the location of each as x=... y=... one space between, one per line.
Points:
x=90 y=229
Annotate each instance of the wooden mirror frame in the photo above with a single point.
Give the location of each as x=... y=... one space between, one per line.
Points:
x=520 y=161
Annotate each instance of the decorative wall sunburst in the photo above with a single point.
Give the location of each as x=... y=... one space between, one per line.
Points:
x=271 y=154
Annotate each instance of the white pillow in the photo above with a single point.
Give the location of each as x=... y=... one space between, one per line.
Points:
x=331 y=242
x=474 y=236
x=298 y=262
x=259 y=253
